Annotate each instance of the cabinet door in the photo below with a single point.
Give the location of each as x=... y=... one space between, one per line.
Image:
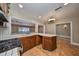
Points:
x=38 y=40
x=33 y=41
x=49 y=43
x=46 y=43
x=25 y=42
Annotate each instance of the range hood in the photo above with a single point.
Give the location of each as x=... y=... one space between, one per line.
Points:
x=3 y=17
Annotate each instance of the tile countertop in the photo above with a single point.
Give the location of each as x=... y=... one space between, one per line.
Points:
x=25 y=35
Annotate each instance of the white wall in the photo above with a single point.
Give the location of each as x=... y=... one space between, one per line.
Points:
x=50 y=28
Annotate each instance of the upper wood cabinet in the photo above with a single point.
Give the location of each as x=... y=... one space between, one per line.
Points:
x=4 y=7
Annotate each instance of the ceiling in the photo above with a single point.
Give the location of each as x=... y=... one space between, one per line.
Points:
x=36 y=9
x=33 y=10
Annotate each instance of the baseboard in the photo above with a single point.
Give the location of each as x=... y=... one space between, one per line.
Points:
x=63 y=36
x=73 y=43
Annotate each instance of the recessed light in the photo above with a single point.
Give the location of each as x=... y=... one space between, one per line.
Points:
x=65 y=3
x=20 y=5
x=39 y=17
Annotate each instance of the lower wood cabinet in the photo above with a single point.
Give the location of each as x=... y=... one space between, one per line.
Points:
x=49 y=43
x=28 y=42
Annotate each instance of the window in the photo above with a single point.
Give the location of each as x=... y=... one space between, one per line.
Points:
x=23 y=30
x=20 y=29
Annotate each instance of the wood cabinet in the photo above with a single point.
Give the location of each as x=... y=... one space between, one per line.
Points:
x=38 y=39
x=49 y=43
x=4 y=7
x=28 y=42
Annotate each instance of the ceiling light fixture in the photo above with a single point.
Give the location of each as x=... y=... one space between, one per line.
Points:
x=65 y=3
x=20 y=5
x=52 y=19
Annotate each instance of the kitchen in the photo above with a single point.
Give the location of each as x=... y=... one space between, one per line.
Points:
x=22 y=28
